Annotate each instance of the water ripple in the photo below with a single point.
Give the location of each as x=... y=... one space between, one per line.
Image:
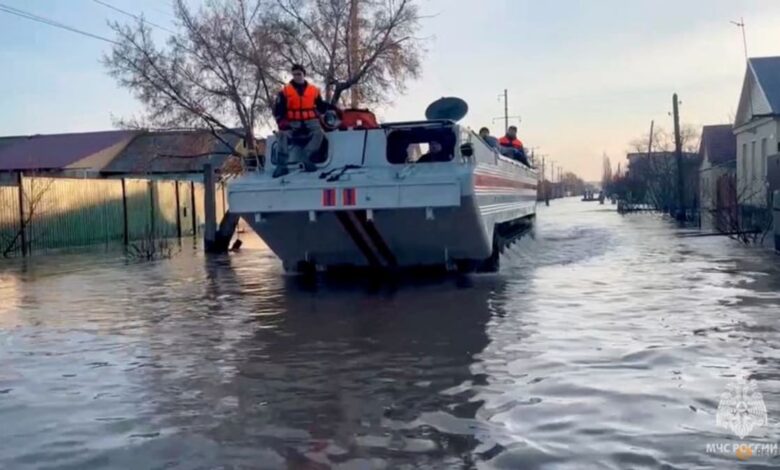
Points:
x=605 y=342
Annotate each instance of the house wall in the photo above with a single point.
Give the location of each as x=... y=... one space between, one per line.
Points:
x=755 y=142
x=705 y=194
x=706 y=189
x=710 y=185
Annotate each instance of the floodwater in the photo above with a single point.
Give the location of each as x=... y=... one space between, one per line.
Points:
x=605 y=342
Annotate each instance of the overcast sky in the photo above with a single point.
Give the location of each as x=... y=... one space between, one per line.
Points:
x=586 y=76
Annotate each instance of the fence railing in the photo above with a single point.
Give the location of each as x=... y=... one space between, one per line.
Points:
x=41 y=213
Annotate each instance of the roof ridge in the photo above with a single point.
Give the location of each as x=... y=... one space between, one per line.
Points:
x=766 y=57
x=63 y=134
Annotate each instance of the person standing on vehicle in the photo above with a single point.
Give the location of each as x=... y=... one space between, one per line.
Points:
x=297 y=111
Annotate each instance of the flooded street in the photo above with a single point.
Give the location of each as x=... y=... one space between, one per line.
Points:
x=605 y=342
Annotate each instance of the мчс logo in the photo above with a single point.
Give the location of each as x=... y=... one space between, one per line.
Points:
x=741 y=408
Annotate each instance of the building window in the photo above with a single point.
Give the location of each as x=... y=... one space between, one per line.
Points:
x=744 y=162
x=752 y=161
x=762 y=166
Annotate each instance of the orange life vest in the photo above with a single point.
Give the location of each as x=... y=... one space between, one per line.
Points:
x=301 y=107
x=506 y=142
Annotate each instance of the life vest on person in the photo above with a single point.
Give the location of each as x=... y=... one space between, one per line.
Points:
x=507 y=142
x=301 y=107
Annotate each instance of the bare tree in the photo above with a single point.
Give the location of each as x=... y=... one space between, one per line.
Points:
x=606 y=173
x=151 y=247
x=224 y=64
x=33 y=202
x=346 y=43
x=663 y=141
x=218 y=71
x=652 y=176
x=735 y=214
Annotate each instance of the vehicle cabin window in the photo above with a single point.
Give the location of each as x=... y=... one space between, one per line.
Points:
x=420 y=145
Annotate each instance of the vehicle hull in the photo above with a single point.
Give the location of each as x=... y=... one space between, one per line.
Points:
x=381 y=216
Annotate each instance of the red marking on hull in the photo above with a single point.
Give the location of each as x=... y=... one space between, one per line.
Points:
x=349 y=196
x=328 y=197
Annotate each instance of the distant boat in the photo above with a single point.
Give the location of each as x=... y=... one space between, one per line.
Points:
x=396 y=195
x=589 y=196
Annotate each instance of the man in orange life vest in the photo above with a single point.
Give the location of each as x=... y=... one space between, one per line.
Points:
x=511 y=146
x=297 y=110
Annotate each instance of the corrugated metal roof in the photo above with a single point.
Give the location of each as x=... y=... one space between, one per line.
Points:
x=6 y=141
x=767 y=70
x=171 y=152
x=54 y=151
x=720 y=143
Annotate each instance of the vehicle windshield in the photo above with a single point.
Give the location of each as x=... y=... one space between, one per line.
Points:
x=420 y=145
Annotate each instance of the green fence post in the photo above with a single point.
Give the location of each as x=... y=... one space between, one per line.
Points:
x=194 y=214
x=151 y=206
x=210 y=203
x=124 y=213
x=178 y=211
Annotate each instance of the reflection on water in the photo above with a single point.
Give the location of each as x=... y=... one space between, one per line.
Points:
x=606 y=341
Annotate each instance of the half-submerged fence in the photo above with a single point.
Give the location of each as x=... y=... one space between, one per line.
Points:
x=41 y=213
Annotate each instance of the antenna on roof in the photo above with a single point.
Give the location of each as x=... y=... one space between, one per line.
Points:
x=741 y=24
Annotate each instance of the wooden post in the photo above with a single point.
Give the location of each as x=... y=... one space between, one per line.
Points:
x=194 y=212
x=22 y=222
x=678 y=156
x=506 y=110
x=151 y=206
x=224 y=199
x=210 y=202
x=178 y=212
x=650 y=144
x=776 y=214
x=124 y=212
x=354 y=46
x=545 y=186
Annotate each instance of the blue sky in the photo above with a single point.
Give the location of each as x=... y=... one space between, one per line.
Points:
x=585 y=75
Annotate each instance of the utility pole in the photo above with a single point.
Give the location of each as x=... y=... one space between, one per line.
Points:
x=532 y=151
x=552 y=178
x=545 y=186
x=506 y=117
x=650 y=144
x=678 y=156
x=560 y=182
x=506 y=109
x=354 y=39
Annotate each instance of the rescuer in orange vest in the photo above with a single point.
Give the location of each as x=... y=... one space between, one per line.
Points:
x=512 y=146
x=297 y=110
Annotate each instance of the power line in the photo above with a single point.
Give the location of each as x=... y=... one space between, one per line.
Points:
x=43 y=20
x=127 y=13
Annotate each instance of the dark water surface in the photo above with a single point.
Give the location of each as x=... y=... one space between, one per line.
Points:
x=605 y=342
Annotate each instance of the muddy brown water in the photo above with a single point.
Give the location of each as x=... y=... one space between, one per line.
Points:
x=606 y=341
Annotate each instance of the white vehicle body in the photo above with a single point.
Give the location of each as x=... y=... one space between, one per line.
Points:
x=369 y=206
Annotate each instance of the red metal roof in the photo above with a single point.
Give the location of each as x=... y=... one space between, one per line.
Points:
x=55 y=151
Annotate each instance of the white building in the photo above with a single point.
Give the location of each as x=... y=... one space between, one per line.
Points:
x=757 y=127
